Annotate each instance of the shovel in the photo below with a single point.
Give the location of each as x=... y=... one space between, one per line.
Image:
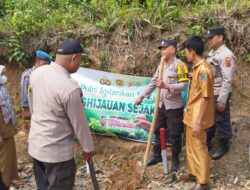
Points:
x=164 y=151
x=91 y=168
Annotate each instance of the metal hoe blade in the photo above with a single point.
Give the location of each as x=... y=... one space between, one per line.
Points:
x=92 y=175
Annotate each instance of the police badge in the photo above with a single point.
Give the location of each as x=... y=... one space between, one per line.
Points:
x=228 y=62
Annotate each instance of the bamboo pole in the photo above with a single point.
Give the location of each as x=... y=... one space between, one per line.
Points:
x=154 y=116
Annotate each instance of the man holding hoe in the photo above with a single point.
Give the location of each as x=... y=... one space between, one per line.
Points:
x=170 y=113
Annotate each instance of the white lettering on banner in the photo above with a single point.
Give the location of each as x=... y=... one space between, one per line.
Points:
x=90 y=88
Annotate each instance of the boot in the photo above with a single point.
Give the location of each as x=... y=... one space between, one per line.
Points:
x=209 y=146
x=223 y=149
x=210 y=136
x=2 y=186
x=175 y=163
x=175 y=166
x=156 y=157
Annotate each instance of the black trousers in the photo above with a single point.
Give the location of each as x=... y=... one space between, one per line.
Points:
x=2 y=186
x=222 y=123
x=172 y=121
x=55 y=176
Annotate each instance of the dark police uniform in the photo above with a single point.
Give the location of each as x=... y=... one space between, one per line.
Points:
x=24 y=87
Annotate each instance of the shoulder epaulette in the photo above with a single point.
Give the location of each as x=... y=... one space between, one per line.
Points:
x=182 y=72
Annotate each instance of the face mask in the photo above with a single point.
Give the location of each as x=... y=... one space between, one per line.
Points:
x=3 y=79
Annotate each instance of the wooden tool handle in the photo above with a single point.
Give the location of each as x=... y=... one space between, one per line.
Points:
x=155 y=114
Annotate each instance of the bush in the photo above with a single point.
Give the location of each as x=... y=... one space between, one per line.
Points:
x=65 y=18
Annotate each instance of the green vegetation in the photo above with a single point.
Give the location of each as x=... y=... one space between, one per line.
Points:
x=247 y=58
x=122 y=34
x=45 y=19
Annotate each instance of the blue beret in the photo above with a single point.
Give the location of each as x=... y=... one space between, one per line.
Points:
x=42 y=55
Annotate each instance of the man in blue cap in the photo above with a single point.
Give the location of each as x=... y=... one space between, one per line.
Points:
x=42 y=58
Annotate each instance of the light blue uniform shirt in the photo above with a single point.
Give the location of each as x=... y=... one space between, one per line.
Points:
x=25 y=78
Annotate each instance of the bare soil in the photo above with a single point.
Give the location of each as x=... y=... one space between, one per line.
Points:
x=119 y=161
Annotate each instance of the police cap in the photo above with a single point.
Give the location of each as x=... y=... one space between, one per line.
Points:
x=168 y=43
x=70 y=46
x=216 y=30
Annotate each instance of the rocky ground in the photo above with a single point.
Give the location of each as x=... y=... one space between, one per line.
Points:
x=118 y=164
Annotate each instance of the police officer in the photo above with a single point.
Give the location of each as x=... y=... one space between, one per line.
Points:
x=42 y=58
x=57 y=117
x=222 y=60
x=170 y=113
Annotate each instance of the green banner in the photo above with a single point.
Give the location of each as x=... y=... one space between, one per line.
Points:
x=109 y=101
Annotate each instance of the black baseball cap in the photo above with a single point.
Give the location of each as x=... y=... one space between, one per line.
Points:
x=216 y=30
x=168 y=43
x=70 y=46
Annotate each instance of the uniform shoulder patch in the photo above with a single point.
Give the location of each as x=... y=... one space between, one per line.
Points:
x=203 y=74
x=29 y=89
x=228 y=61
x=182 y=67
x=182 y=72
x=203 y=77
